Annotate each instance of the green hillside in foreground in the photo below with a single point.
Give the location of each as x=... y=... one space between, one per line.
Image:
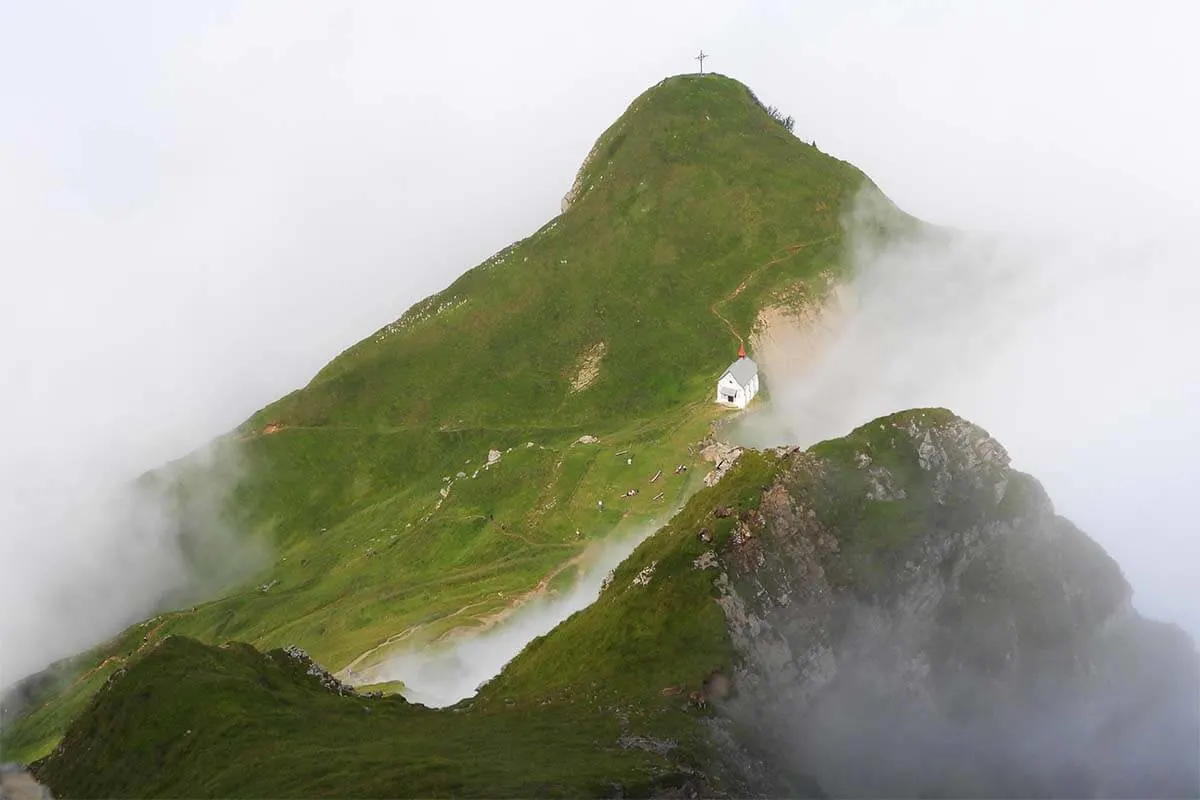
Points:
x=370 y=489
x=900 y=591
x=190 y=720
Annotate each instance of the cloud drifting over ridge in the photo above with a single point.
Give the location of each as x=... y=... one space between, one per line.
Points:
x=1074 y=351
x=204 y=203
x=441 y=675
x=111 y=554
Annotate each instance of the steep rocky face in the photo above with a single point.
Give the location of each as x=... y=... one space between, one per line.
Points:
x=913 y=619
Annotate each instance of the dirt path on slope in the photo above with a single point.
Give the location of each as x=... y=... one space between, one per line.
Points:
x=788 y=252
x=120 y=660
x=346 y=673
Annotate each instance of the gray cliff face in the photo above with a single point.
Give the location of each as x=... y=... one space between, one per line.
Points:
x=913 y=619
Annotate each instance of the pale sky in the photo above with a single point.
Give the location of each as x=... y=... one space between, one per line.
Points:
x=203 y=203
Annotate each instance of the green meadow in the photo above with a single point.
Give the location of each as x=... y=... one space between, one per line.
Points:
x=369 y=490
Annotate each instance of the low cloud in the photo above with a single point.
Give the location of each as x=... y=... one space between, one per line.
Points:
x=102 y=556
x=441 y=676
x=1074 y=351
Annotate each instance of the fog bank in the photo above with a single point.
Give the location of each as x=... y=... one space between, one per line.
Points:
x=205 y=202
x=82 y=566
x=1074 y=351
x=442 y=674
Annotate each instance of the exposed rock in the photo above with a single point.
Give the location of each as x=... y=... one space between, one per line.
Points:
x=723 y=455
x=717 y=452
x=587 y=439
x=577 y=186
x=493 y=457
x=932 y=628
x=315 y=670
x=588 y=367
x=607 y=580
x=662 y=747
x=643 y=577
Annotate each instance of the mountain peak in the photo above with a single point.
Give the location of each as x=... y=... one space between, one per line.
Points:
x=659 y=261
x=682 y=120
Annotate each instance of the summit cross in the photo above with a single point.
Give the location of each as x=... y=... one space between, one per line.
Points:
x=701 y=58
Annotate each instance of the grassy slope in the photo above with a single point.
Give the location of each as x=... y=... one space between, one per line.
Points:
x=192 y=720
x=695 y=206
x=231 y=723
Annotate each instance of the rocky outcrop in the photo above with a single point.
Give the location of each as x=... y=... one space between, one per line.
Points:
x=723 y=456
x=312 y=669
x=913 y=619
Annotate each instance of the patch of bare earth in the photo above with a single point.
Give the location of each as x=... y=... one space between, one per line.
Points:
x=589 y=367
x=788 y=337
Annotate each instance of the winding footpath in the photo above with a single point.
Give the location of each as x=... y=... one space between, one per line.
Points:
x=789 y=251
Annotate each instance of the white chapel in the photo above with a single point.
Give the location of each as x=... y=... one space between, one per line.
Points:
x=739 y=383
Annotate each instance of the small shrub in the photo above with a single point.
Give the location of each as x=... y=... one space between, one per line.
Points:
x=774 y=113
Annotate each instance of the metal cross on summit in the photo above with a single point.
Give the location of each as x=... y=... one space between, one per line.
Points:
x=701 y=58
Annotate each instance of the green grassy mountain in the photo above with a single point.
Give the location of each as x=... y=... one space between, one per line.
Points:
x=896 y=612
x=583 y=732
x=774 y=636
x=371 y=488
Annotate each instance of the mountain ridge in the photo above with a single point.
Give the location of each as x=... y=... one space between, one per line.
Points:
x=473 y=448
x=679 y=151
x=904 y=567
x=369 y=489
